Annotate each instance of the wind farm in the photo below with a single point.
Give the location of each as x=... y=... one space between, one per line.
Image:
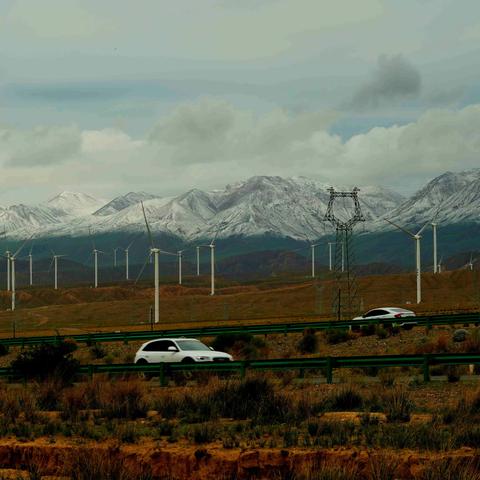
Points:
x=239 y=240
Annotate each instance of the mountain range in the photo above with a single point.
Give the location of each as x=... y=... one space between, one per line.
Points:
x=259 y=208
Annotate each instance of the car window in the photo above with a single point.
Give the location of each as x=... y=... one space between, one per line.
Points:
x=158 y=346
x=382 y=312
x=373 y=313
x=191 y=345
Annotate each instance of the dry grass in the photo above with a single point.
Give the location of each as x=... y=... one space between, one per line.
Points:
x=81 y=308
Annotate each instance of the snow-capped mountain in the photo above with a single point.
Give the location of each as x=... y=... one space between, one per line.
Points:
x=262 y=205
x=20 y=217
x=123 y=201
x=451 y=198
x=74 y=204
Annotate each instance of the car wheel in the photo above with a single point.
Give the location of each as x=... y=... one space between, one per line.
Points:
x=144 y=375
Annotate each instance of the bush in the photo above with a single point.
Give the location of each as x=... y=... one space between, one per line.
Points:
x=346 y=399
x=309 y=342
x=98 y=351
x=381 y=332
x=102 y=464
x=397 y=405
x=367 y=330
x=245 y=344
x=3 y=349
x=124 y=400
x=472 y=343
x=48 y=360
x=252 y=398
x=450 y=469
x=337 y=336
x=453 y=373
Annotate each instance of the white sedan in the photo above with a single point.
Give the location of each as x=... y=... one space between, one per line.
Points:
x=187 y=350
x=402 y=314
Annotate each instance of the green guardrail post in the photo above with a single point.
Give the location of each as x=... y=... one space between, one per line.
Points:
x=329 y=370
x=163 y=375
x=243 y=369
x=90 y=371
x=426 y=369
x=301 y=373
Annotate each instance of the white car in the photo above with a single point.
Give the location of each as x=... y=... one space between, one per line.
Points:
x=187 y=350
x=390 y=313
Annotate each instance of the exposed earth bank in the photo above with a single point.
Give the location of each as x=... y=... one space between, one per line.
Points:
x=213 y=462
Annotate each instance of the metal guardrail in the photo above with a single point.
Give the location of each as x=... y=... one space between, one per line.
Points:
x=326 y=364
x=261 y=329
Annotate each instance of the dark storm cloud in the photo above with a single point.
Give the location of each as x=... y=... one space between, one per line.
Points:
x=394 y=79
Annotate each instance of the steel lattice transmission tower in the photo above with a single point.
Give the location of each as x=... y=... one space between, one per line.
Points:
x=345 y=299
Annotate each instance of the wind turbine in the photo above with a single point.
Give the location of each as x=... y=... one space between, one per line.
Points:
x=471 y=262
x=417 y=237
x=155 y=252
x=434 y=234
x=55 y=267
x=30 y=265
x=8 y=256
x=115 y=257
x=12 y=272
x=439 y=266
x=198 y=261
x=330 y=267
x=180 y=253
x=126 y=260
x=95 y=253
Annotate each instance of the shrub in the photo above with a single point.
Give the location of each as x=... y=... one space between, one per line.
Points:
x=472 y=343
x=48 y=393
x=381 y=332
x=245 y=344
x=453 y=373
x=48 y=360
x=97 y=351
x=3 y=350
x=347 y=398
x=367 y=330
x=101 y=464
x=124 y=400
x=309 y=342
x=337 y=336
x=253 y=398
x=397 y=405
x=450 y=469
x=226 y=341
x=333 y=469
x=382 y=467
x=203 y=433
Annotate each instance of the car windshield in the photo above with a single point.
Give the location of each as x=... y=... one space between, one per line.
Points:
x=191 y=345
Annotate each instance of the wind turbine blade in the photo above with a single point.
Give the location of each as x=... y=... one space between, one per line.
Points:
x=21 y=247
x=51 y=265
x=428 y=222
x=400 y=228
x=148 y=227
x=141 y=270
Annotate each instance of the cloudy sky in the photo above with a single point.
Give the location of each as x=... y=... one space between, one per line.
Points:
x=111 y=96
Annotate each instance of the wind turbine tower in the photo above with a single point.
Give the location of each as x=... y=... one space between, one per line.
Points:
x=198 y=261
x=155 y=252
x=7 y=255
x=30 y=266
x=417 y=237
x=434 y=233
x=180 y=253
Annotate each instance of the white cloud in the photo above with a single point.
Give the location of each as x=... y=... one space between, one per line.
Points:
x=42 y=145
x=209 y=143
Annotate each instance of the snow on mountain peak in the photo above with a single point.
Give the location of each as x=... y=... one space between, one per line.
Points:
x=74 y=203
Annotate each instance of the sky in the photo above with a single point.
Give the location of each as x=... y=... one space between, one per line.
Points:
x=116 y=96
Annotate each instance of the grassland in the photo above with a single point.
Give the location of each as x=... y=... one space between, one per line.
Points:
x=79 y=309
